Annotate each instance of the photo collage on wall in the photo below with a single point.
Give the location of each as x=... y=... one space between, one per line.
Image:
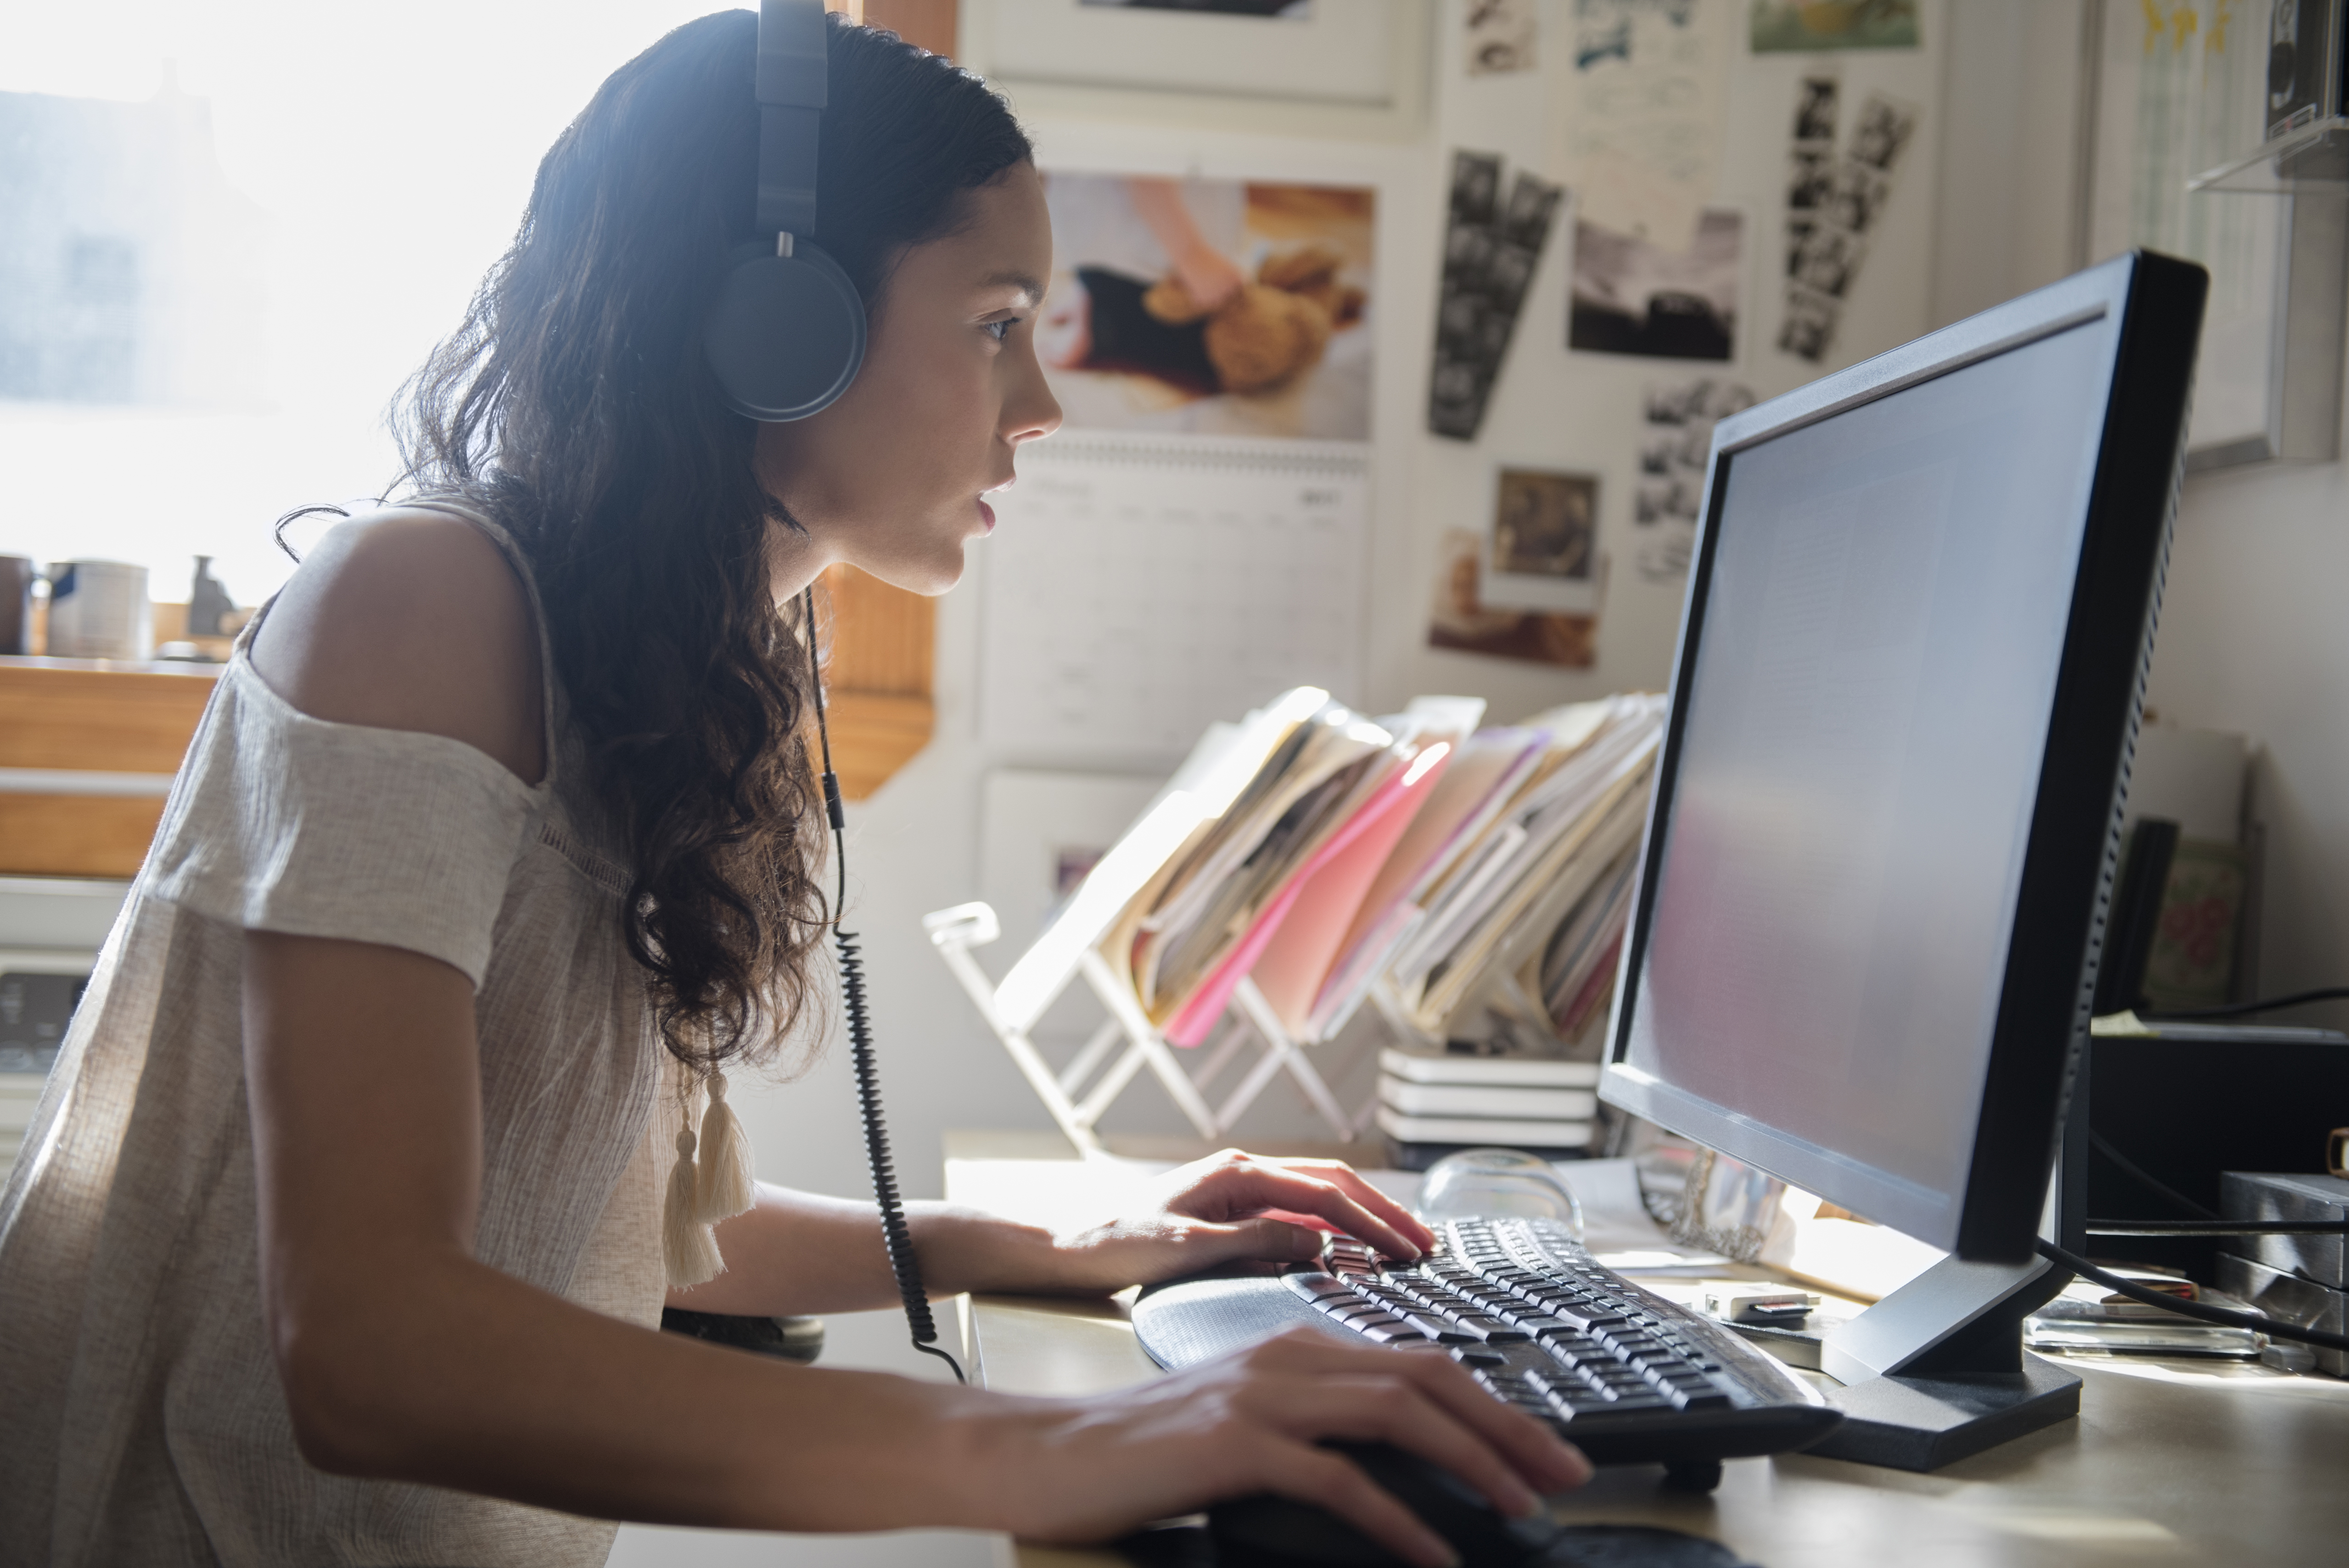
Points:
x=1492 y=245
x=1833 y=201
x=1657 y=273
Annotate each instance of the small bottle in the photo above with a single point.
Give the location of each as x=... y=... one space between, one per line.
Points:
x=209 y=604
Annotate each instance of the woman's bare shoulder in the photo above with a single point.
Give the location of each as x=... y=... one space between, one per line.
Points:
x=411 y=619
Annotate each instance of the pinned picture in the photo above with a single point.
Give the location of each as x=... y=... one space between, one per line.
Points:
x=1492 y=246
x=1832 y=204
x=1675 y=444
x=1628 y=297
x=1210 y=306
x=1500 y=36
x=1461 y=620
x=1543 y=553
x=1803 y=27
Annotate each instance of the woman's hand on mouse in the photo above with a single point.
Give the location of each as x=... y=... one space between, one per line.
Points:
x=1234 y=1208
x=1089 y=1470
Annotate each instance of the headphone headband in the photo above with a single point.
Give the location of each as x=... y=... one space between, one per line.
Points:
x=786 y=332
x=791 y=98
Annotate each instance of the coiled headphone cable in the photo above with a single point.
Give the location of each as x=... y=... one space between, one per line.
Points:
x=894 y=1233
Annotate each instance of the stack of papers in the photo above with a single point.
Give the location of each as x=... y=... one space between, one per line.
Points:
x=1457 y=870
x=1539 y=892
x=1432 y=1101
x=1270 y=880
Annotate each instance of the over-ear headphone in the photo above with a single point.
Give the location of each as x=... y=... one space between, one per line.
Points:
x=787 y=332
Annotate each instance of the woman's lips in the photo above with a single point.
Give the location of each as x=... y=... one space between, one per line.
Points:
x=987 y=514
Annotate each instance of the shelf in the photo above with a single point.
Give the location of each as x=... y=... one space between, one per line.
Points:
x=2311 y=161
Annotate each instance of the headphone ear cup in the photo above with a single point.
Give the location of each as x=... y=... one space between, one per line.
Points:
x=786 y=335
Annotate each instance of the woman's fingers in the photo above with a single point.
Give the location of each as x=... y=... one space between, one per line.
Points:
x=1331 y=1481
x=1351 y=1182
x=1393 y=1410
x=1223 y=1184
x=1267 y=1237
x=1532 y=1451
x=1546 y=1461
x=1249 y=1186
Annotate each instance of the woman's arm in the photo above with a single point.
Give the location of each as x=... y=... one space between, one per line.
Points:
x=796 y=1252
x=404 y=1358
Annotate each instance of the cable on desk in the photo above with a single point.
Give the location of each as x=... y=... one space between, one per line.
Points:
x=2224 y=1317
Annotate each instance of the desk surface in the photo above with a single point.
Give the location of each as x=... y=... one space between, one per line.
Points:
x=2169 y=1461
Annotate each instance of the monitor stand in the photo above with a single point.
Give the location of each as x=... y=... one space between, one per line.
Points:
x=1937 y=1370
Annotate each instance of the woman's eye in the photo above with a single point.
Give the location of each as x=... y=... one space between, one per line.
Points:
x=999 y=330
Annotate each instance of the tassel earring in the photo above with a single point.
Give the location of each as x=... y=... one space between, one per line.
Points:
x=727 y=1185
x=687 y=1247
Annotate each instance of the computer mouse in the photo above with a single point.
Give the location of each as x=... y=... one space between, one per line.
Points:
x=1278 y=1530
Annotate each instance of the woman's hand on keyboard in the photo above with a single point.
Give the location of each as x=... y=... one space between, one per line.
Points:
x=1089 y=1470
x=1235 y=1207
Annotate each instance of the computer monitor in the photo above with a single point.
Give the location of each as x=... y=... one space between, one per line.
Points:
x=1888 y=808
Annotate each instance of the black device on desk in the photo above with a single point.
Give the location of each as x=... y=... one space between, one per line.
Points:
x=1879 y=859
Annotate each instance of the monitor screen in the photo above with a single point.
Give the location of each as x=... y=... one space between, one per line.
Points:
x=1836 y=865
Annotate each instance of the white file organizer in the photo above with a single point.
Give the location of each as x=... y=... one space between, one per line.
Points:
x=1079 y=1094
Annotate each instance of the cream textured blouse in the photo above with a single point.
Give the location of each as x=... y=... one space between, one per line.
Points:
x=141 y=1420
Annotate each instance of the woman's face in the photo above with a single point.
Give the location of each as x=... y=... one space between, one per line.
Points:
x=891 y=478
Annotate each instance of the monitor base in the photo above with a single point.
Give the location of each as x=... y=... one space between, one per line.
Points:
x=1937 y=1370
x=1923 y=1423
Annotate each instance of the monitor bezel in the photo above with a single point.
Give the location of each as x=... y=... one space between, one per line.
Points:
x=2072 y=844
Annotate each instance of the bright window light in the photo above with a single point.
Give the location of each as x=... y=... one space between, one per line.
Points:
x=388 y=152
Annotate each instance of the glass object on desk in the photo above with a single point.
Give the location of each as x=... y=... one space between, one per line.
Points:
x=2085 y=1320
x=1727 y=1207
x=1491 y=1182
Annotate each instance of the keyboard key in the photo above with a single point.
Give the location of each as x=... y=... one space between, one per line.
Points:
x=1313 y=1286
x=1698 y=1399
x=1347 y=1311
x=1641 y=1401
x=1575 y=1315
x=1431 y=1326
x=1387 y=1332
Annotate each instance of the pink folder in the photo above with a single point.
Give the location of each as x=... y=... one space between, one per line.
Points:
x=1299 y=958
x=1198 y=1014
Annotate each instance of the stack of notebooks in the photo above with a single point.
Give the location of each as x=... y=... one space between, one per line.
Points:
x=1433 y=1102
x=1460 y=872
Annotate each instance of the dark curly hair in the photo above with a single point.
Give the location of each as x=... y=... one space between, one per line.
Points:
x=575 y=404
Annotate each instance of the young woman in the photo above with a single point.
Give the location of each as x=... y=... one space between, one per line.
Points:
x=340 y=1237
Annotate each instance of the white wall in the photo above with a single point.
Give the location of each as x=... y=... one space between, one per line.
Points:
x=2253 y=641
x=914 y=846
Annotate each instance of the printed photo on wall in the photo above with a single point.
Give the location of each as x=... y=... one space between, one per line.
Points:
x=1675 y=442
x=1832 y=203
x=1800 y=27
x=1543 y=553
x=1628 y=297
x=1501 y=35
x=1460 y=621
x=1210 y=306
x=1492 y=247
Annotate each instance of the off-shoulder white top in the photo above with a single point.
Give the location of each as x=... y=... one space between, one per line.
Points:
x=141 y=1420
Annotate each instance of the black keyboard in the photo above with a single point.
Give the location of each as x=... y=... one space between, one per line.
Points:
x=1627 y=1376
